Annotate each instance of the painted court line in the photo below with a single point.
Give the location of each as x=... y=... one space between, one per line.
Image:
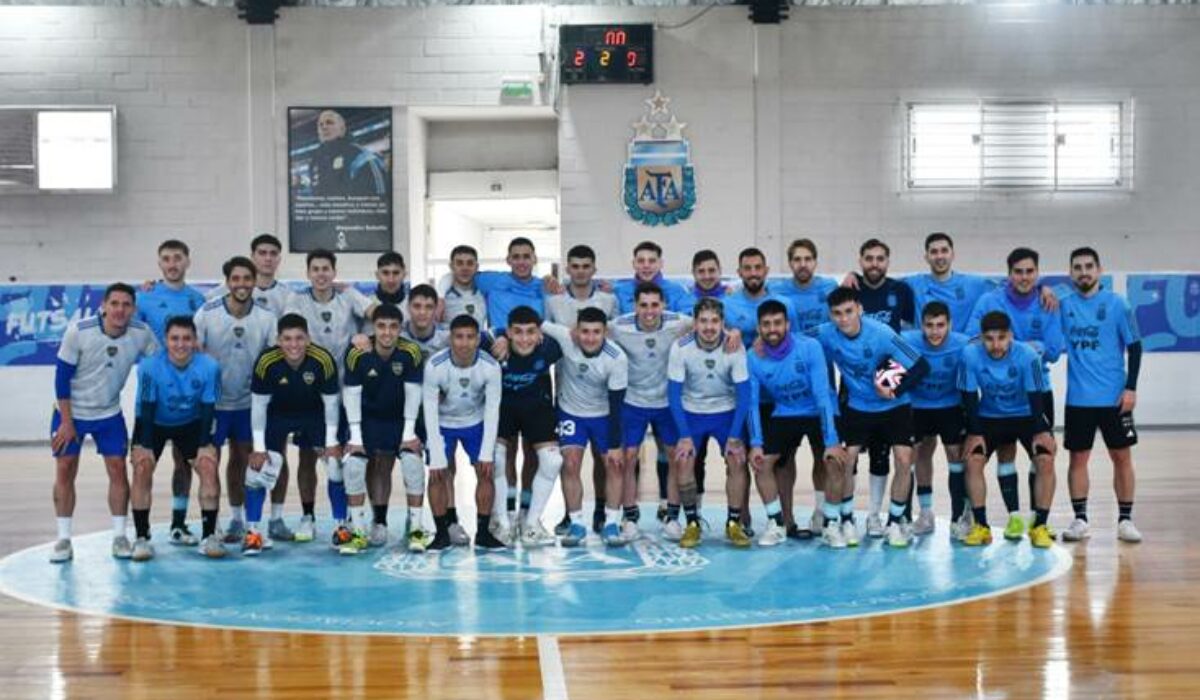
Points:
x=554 y=681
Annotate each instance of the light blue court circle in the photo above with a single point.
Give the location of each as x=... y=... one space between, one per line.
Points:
x=649 y=586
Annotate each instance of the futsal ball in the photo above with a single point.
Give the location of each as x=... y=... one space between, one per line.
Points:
x=890 y=375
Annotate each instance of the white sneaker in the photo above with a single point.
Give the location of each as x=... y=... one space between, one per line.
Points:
x=182 y=536
x=816 y=523
x=142 y=550
x=832 y=537
x=306 y=531
x=897 y=535
x=62 y=552
x=500 y=531
x=630 y=532
x=960 y=528
x=121 y=548
x=925 y=524
x=459 y=536
x=535 y=535
x=875 y=527
x=1077 y=531
x=212 y=547
x=772 y=535
x=1128 y=532
x=378 y=536
x=849 y=533
x=672 y=530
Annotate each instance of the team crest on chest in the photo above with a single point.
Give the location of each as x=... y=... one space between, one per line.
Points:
x=239 y=331
x=309 y=377
x=112 y=350
x=710 y=363
x=583 y=367
x=651 y=342
x=326 y=315
x=464 y=382
x=470 y=308
x=397 y=368
x=1101 y=313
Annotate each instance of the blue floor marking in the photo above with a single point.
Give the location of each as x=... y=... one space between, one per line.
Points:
x=652 y=585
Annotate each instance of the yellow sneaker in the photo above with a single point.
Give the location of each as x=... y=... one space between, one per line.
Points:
x=1041 y=537
x=691 y=536
x=978 y=536
x=736 y=534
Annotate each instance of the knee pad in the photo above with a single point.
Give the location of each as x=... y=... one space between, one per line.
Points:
x=266 y=477
x=550 y=462
x=333 y=469
x=354 y=471
x=500 y=456
x=413 y=471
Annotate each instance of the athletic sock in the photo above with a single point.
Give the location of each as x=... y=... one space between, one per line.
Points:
x=831 y=511
x=818 y=501
x=118 y=525
x=414 y=518
x=179 y=506
x=238 y=512
x=141 y=523
x=452 y=514
x=612 y=516
x=775 y=511
x=691 y=513
x=1079 y=505
x=896 y=512
x=1126 y=510
x=379 y=514
x=958 y=490
x=632 y=513
x=599 y=506
x=539 y=496
x=254 y=504
x=310 y=509
x=481 y=524
x=878 y=487
x=848 y=509
x=672 y=511
x=358 y=516
x=526 y=497
x=1041 y=515
x=511 y=502
x=64 y=527
x=734 y=515
x=441 y=523
x=276 y=511
x=662 y=470
x=1032 y=479
x=576 y=517
x=980 y=515
x=925 y=497
x=337 y=499
x=208 y=522
x=1009 y=486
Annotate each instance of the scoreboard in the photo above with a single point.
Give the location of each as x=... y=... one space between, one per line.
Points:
x=606 y=53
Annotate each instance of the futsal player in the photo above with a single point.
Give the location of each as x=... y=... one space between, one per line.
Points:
x=937 y=413
x=708 y=393
x=234 y=331
x=706 y=276
x=1002 y=387
x=177 y=392
x=1104 y=356
x=266 y=252
x=381 y=392
x=294 y=392
x=859 y=347
x=461 y=399
x=165 y=299
x=389 y=284
x=791 y=370
x=462 y=297
x=647 y=267
x=94 y=360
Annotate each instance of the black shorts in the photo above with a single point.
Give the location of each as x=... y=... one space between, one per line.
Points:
x=893 y=427
x=536 y=422
x=998 y=432
x=185 y=437
x=783 y=435
x=307 y=431
x=381 y=435
x=949 y=424
x=1117 y=428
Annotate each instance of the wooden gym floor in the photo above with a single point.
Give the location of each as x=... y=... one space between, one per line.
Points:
x=1124 y=622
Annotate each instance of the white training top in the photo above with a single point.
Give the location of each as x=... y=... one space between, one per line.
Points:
x=102 y=364
x=648 y=353
x=563 y=309
x=583 y=381
x=431 y=344
x=332 y=324
x=459 y=302
x=708 y=376
x=461 y=397
x=274 y=298
x=235 y=344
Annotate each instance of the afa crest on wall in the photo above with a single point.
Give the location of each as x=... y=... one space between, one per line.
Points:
x=660 y=182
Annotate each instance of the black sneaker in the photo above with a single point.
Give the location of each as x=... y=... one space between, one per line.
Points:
x=795 y=532
x=598 y=519
x=440 y=541
x=563 y=525
x=484 y=539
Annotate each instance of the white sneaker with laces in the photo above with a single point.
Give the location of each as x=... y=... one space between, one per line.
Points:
x=925 y=523
x=630 y=531
x=772 y=535
x=62 y=552
x=1128 y=532
x=142 y=550
x=459 y=536
x=535 y=535
x=897 y=535
x=121 y=547
x=960 y=528
x=500 y=531
x=378 y=536
x=875 y=526
x=831 y=536
x=849 y=533
x=672 y=530
x=306 y=531
x=1077 y=531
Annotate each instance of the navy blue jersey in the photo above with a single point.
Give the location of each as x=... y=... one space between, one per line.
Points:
x=891 y=303
x=526 y=378
x=382 y=378
x=295 y=392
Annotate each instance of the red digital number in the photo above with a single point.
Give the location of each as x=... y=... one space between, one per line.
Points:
x=579 y=59
x=631 y=58
x=614 y=37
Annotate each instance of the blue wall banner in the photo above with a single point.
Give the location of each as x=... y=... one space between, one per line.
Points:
x=1167 y=308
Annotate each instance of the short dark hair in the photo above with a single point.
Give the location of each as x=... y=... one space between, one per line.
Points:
x=387 y=312
x=591 y=315
x=265 y=239
x=995 y=321
x=289 y=321
x=751 y=252
x=180 y=322
x=708 y=304
x=703 y=256
x=806 y=243
x=464 y=250
x=1020 y=254
x=174 y=244
x=1085 y=250
x=771 y=307
x=647 y=245
x=236 y=262
x=520 y=240
x=464 y=321
x=841 y=295
x=119 y=287
x=390 y=258
x=934 y=309
x=648 y=288
x=582 y=251
x=874 y=243
x=523 y=316
x=320 y=254
x=938 y=236
x=423 y=290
